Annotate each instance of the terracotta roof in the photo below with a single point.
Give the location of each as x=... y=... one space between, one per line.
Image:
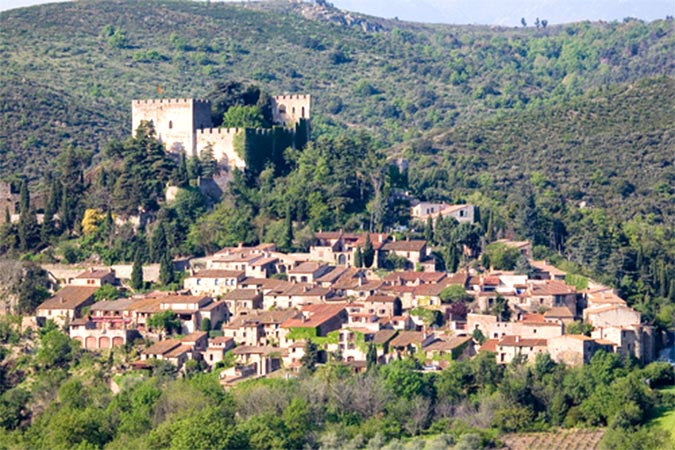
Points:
x=379 y=298
x=458 y=278
x=604 y=342
x=550 y=287
x=307 y=268
x=161 y=347
x=559 y=312
x=220 y=340
x=383 y=336
x=490 y=280
x=405 y=338
x=178 y=351
x=264 y=283
x=429 y=290
x=242 y=294
x=332 y=275
x=532 y=317
x=217 y=273
x=313 y=316
x=211 y=306
x=377 y=239
x=194 y=336
x=328 y=235
x=489 y=346
x=112 y=305
x=546 y=267
x=412 y=276
x=95 y=274
x=183 y=299
x=405 y=246
x=516 y=341
x=145 y=305
x=69 y=297
x=264 y=261
x=257 y=350
x=447 y=344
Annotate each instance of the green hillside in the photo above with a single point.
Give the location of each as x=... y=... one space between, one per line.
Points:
x=71 y=69
x=611 y=148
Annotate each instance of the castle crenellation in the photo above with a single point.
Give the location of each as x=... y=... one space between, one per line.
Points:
x=184 y=125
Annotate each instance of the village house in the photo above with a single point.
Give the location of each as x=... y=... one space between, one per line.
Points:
x=177 y=351
x=425 y=210
x=216 y=349
x=308 y=272
x=629 y=340
x=94 y=277
x=408 y=343
x=313 y=321
x=413 y=278
x=338 y=248
x=382 y=305
x=243 y=301
x=262 y=359
x=213 y=282
x=576 y=349
x=414 y=251
x=451 y=348
x=541 y=270
x=66 y=304
x=612 y=315
x=296 y=295
x=94 y=335
x=511 y=347
x=524 y=247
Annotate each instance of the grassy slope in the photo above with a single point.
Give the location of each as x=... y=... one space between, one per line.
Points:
x=62 y=82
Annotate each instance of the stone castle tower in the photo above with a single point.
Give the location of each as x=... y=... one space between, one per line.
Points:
x=184 y=125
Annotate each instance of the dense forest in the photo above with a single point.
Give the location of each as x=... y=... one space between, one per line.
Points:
x=562 y=135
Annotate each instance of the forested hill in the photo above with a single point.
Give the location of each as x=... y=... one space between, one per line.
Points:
x=612 y=148
x=71 y=69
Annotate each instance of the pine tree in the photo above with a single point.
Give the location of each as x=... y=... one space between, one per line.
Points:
x=368 y=252
x=358 y=258
x=137 y=272
x=166 y=273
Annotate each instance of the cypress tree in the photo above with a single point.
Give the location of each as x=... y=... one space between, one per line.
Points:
x=358 y=258
x=429 y=230
x=24 y=201
x=27 y=220
x=287 y=242
x=371 y=357
x=158 y=243
x=368 y=252
x=137 y=272
x=166 y=273
x=65 y=210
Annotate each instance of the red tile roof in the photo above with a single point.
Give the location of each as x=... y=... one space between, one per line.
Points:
x=405 y=246
x=69 y=297
x=313 y=316
x=516 y=341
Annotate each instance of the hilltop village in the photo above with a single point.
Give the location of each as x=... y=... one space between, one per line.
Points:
x=261 y=310
x=357 y=298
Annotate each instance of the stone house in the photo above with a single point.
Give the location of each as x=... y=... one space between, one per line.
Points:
x=100 y=335
x=94 y=277
x=296 y=295
x=461 y=213
x=308 y=272
x=510 y=347
x=66 y=304
x=612 y=316
x=576 y=349
x=449 y=348
x=382 y=305
x=314 y=320
x=629 y=340
x=243 y=301
x=213 y=282
x=414 y=251
x=216 y=349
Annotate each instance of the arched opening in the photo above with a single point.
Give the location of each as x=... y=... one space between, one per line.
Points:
x=302 y=112
x=104 y=342
x=170 y=124
x=342 y=260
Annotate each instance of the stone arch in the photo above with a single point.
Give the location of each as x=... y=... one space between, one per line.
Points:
x=104 y=342
x=117 y=341
x=78 y=339
x=90 y=342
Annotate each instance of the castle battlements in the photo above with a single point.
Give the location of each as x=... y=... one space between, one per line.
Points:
x=292 y=97
x=171 y=101
x=210 y=131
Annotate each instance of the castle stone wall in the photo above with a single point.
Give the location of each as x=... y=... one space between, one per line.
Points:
x=289 y=109
x=222 y=141
x=175 y=121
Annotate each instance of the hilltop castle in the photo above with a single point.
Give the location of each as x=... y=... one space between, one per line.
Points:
x=184 y=125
